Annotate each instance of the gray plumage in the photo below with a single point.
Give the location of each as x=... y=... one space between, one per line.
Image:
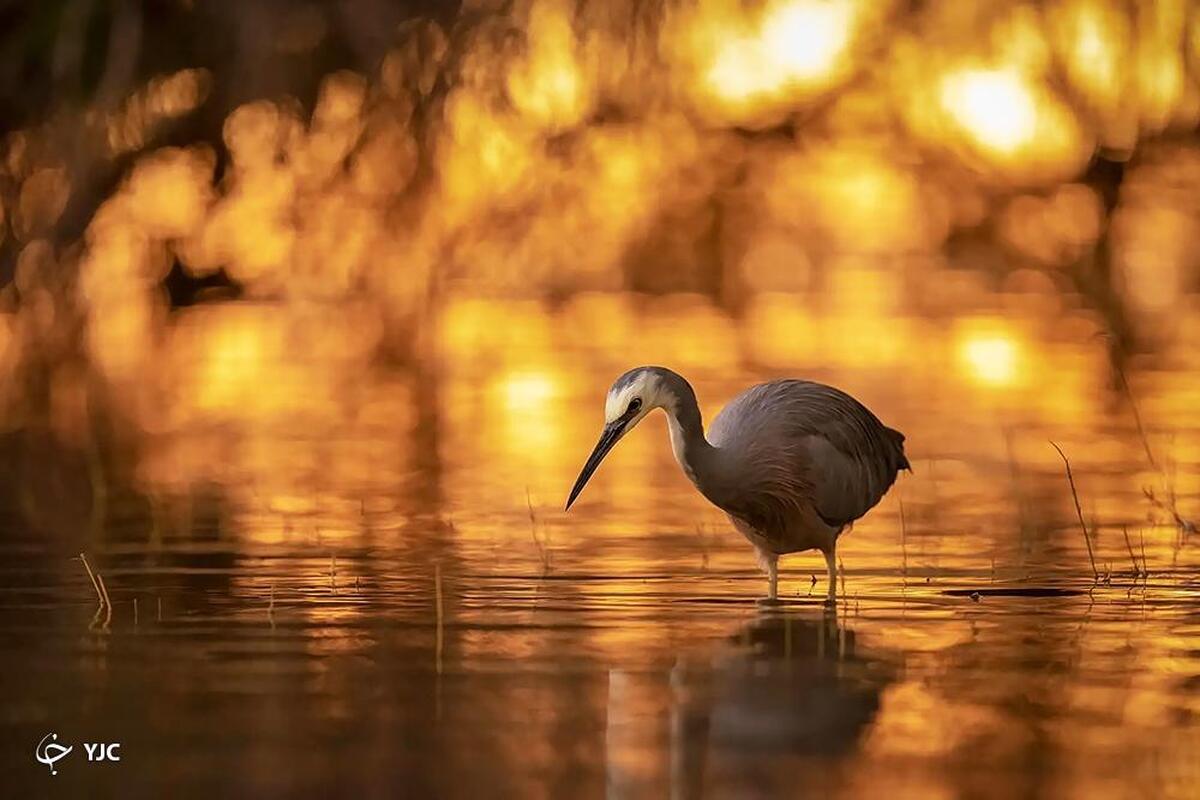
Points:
x=792 y=462
x=804 y=441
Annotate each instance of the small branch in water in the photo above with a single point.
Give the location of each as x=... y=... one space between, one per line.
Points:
x=92 y=575
x=1078 y=509
x=101 y=594
x=1129 y=547
x=107 y=602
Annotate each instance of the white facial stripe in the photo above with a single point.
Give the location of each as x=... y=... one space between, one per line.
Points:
x=615 y=404
x=645 y=387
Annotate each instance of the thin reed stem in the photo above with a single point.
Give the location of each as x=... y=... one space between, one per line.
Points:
x=1078 y=509
x=1129 y=547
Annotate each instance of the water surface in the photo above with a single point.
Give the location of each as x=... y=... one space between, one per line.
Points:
x=386 y=598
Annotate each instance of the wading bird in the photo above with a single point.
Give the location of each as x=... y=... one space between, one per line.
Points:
x=793 y=463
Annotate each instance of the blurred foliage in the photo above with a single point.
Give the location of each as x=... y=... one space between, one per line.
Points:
x=378 y=158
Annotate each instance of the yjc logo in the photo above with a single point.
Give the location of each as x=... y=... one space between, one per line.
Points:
x=50 y=752
x=99 y=751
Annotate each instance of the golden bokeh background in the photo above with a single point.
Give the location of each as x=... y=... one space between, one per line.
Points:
x=526 y=199
x=297 y=294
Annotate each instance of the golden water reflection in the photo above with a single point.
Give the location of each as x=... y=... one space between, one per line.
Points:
x=327 y=501
x=517 y=401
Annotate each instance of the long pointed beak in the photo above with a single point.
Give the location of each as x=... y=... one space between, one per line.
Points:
x=610 y=436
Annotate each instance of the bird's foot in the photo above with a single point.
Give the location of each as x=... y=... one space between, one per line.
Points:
x=769 y=602
x=830 y=601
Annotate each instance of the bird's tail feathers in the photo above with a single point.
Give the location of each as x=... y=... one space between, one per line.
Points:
x=898 y=439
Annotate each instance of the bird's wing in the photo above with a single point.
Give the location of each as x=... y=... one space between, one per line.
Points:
x=798 y=443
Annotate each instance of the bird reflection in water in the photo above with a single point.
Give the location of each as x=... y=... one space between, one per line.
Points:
x=790 y=695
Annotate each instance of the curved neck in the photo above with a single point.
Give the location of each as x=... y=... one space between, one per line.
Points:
x=687 y=431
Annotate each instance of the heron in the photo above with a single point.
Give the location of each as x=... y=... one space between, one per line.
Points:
x=792 y=463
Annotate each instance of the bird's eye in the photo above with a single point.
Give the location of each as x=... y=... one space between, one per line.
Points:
x=634 y=405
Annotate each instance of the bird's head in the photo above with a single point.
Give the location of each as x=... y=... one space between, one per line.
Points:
x=632 y=396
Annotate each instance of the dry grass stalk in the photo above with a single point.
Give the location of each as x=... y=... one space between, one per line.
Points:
x=1129 y=546
x=92 y=575
x=105 y=606
x=1078 y=509
x=107 y=602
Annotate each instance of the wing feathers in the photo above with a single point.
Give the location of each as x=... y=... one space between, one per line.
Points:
x=798 y=443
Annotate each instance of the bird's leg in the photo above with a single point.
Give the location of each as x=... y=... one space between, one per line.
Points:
x=770 y=564
x=831 y=566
